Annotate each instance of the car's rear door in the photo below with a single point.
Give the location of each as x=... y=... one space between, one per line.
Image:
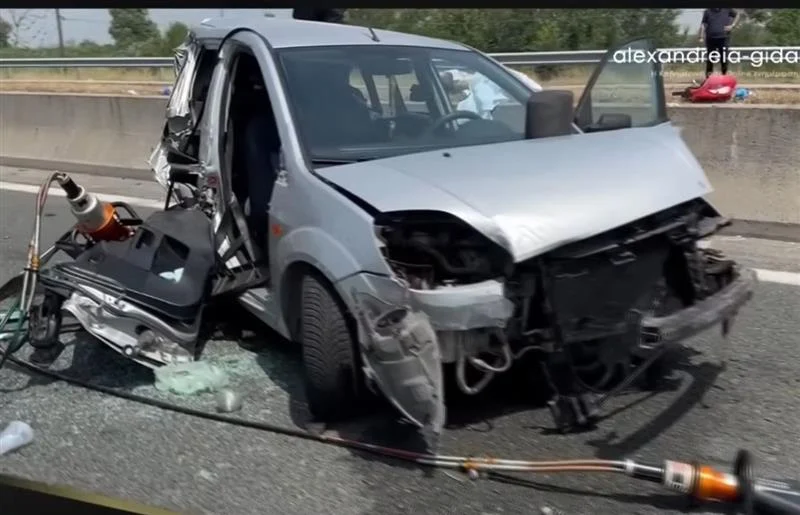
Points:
x=626 y=90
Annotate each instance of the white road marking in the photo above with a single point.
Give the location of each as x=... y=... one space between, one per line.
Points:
x=778 y=276
x=769 y=276
x=58 y=192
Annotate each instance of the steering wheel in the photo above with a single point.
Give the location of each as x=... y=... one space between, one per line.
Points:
x=455 y=115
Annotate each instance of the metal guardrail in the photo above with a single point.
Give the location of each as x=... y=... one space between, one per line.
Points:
x=87 y=62
x=510 y=58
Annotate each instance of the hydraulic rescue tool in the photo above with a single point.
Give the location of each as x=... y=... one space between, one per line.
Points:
x=96 y=220
x=100 y=221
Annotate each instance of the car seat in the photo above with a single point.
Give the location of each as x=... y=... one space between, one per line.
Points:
x=260 y=147
x=255 y=149
x=337 y=117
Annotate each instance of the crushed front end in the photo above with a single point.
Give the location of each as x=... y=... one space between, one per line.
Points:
x=591 y=312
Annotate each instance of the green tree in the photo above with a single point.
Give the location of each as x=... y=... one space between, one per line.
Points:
x=751 y=29
x=749 y=33
x=404 y=20
x=377 y=18
x=660 y=24
x=5 y=33
x=132 y=30
x=755 y=15
x=783 y=27
x=174 y=36
x=507 y=30
x=520 y=30
x=88 y=44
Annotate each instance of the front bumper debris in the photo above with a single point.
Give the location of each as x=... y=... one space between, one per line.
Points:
x=449 y=308
x=719 y=307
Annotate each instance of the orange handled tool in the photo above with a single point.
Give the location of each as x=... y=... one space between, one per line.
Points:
x=96 y=220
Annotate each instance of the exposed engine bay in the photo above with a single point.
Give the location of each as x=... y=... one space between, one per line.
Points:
x=594 y=311
x=594 y=314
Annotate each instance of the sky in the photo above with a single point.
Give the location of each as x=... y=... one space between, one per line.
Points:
x=92 y=24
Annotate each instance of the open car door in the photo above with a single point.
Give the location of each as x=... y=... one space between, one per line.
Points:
x=626 y=90
x=187 y=164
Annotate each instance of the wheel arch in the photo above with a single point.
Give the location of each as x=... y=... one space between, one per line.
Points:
x=291 y=295
x=312 y=250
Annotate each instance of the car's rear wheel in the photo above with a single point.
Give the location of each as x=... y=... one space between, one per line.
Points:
x=332 y=375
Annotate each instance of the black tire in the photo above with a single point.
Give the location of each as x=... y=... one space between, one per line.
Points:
x=329 y=360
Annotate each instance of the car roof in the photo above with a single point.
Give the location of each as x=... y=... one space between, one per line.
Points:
x=291 y=33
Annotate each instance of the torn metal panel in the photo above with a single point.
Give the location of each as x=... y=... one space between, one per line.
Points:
x=159 y=164
x=182 y=55
x=401 y=355
x=118 y=324
x=408 y=334
x=181 y=122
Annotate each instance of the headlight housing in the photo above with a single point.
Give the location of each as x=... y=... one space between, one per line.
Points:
x=429 y=248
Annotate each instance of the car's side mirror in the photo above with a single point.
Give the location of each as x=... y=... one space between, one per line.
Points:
x=549 y=113
x=611 y=122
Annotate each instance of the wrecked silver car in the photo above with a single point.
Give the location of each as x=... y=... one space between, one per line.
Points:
x=402 y=207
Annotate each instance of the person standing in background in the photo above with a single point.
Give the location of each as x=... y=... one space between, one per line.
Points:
x=715 y=31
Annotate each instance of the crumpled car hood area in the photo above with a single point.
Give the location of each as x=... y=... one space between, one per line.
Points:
x=532 y=196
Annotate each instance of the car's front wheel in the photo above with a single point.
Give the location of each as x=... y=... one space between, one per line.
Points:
x=330 y=363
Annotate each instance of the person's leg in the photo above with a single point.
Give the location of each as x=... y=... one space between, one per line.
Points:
x=709 y=62
x=724 y=42
x=718 y=47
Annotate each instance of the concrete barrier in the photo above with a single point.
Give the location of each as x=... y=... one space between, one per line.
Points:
x=750 y=152
x=106 y=135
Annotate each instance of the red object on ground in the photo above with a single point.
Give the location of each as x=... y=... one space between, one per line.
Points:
x=716 y=88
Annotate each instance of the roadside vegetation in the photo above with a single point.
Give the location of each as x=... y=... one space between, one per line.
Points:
x=506 y=30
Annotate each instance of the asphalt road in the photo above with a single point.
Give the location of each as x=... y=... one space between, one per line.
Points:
x=724 y=395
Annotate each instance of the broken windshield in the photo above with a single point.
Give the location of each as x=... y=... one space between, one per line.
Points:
x=366 y=102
